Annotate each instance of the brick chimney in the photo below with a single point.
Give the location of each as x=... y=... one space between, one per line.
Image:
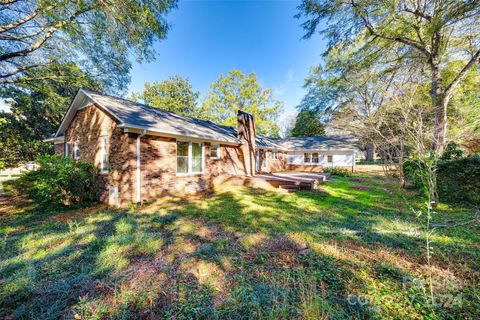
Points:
x=246 y=134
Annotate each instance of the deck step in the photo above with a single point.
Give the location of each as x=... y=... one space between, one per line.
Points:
x=289 y=187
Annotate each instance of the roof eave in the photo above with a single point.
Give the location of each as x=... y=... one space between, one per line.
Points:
x=155 y=132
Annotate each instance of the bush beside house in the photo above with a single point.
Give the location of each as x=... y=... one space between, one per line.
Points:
x=59 y=181
x=458 y=179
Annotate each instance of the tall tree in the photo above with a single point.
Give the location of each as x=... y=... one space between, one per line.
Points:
x=239 y=91
x=308 y=124
x=174 y=94
x=36 y=110
x=426 y=32
x=98 y=35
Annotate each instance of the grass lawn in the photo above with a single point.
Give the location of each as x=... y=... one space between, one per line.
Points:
x=353 y=249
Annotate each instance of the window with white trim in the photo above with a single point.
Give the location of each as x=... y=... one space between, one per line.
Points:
x=330 y=158
x=306 y=157
x=275 y=155
x=215 y=151
x=76 y=151
x=103 y=155
x=190 y=157
x=315 y=157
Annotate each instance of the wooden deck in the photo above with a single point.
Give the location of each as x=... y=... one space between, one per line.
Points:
x=288 y=181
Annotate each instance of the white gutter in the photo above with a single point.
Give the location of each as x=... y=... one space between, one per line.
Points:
x=139 y=172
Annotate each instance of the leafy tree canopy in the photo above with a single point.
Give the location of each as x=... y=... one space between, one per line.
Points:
x=36 y=110
x=239 y=91
x=98 y=35
x=174 y=94
x=425 y=35
x=308 y=124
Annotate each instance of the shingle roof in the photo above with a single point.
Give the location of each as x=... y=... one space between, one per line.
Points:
x=319 y=143
x=265 y=142
x=137 y=115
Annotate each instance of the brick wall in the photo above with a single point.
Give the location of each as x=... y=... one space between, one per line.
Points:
x=278 y=165
x=59 y=148
x=159 y=168
x=88 y=125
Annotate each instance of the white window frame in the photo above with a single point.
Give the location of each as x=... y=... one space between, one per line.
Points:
x=309 y=157
x=103 y=153
x=274 y=155
x=217 y=146
x=328 y=156
x=76 y=154
x=190 y=159
x=265 y=158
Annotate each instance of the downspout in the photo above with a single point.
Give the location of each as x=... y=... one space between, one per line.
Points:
x=139 y=172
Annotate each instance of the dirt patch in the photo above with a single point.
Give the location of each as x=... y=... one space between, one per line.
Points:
x=10 y=205
x=359 y=187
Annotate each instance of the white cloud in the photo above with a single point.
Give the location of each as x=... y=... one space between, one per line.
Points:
x=281 y=89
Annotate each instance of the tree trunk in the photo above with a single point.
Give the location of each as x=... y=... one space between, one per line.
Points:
x=401 y=172
x=439 y=109
x=370 y=150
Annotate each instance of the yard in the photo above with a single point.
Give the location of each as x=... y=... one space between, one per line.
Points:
x=352 y=249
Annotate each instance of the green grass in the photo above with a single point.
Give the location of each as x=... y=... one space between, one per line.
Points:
x=239 y=254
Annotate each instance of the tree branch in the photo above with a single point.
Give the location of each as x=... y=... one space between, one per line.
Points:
x=451 y=87
x=46 y=36
x=18 y=22
x=400 y=39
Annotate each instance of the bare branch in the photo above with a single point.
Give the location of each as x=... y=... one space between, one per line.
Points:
x=451 y=87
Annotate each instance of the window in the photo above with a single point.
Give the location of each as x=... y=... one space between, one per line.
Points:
x=275 y=155
x=76 y=152
x=103 y=154
x=67 y=149
x=306 y=157
x=189 y=157
x=315 y=157
x=329 y=158
x=215 y=151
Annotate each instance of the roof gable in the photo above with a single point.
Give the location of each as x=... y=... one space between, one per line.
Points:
x=140 y=116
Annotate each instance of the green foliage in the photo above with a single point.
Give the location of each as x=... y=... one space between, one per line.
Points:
x=337 y=171
x=238 y=91
x=174 y=94
x=452 y=151
x=37 y=109
x=459 y=179
x=58 y=181
x=308 y=124
x=235 y=255
x=101 y=36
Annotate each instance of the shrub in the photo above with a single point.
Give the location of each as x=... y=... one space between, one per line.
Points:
x=413 y=173
x=336 y=171
x=59 y=180
x=459 y=179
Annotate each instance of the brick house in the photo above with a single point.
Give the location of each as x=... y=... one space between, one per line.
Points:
x=142 y=152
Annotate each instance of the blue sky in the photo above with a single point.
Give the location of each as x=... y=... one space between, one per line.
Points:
x=209 y=38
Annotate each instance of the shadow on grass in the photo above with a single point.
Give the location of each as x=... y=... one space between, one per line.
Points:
x=231 y=255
